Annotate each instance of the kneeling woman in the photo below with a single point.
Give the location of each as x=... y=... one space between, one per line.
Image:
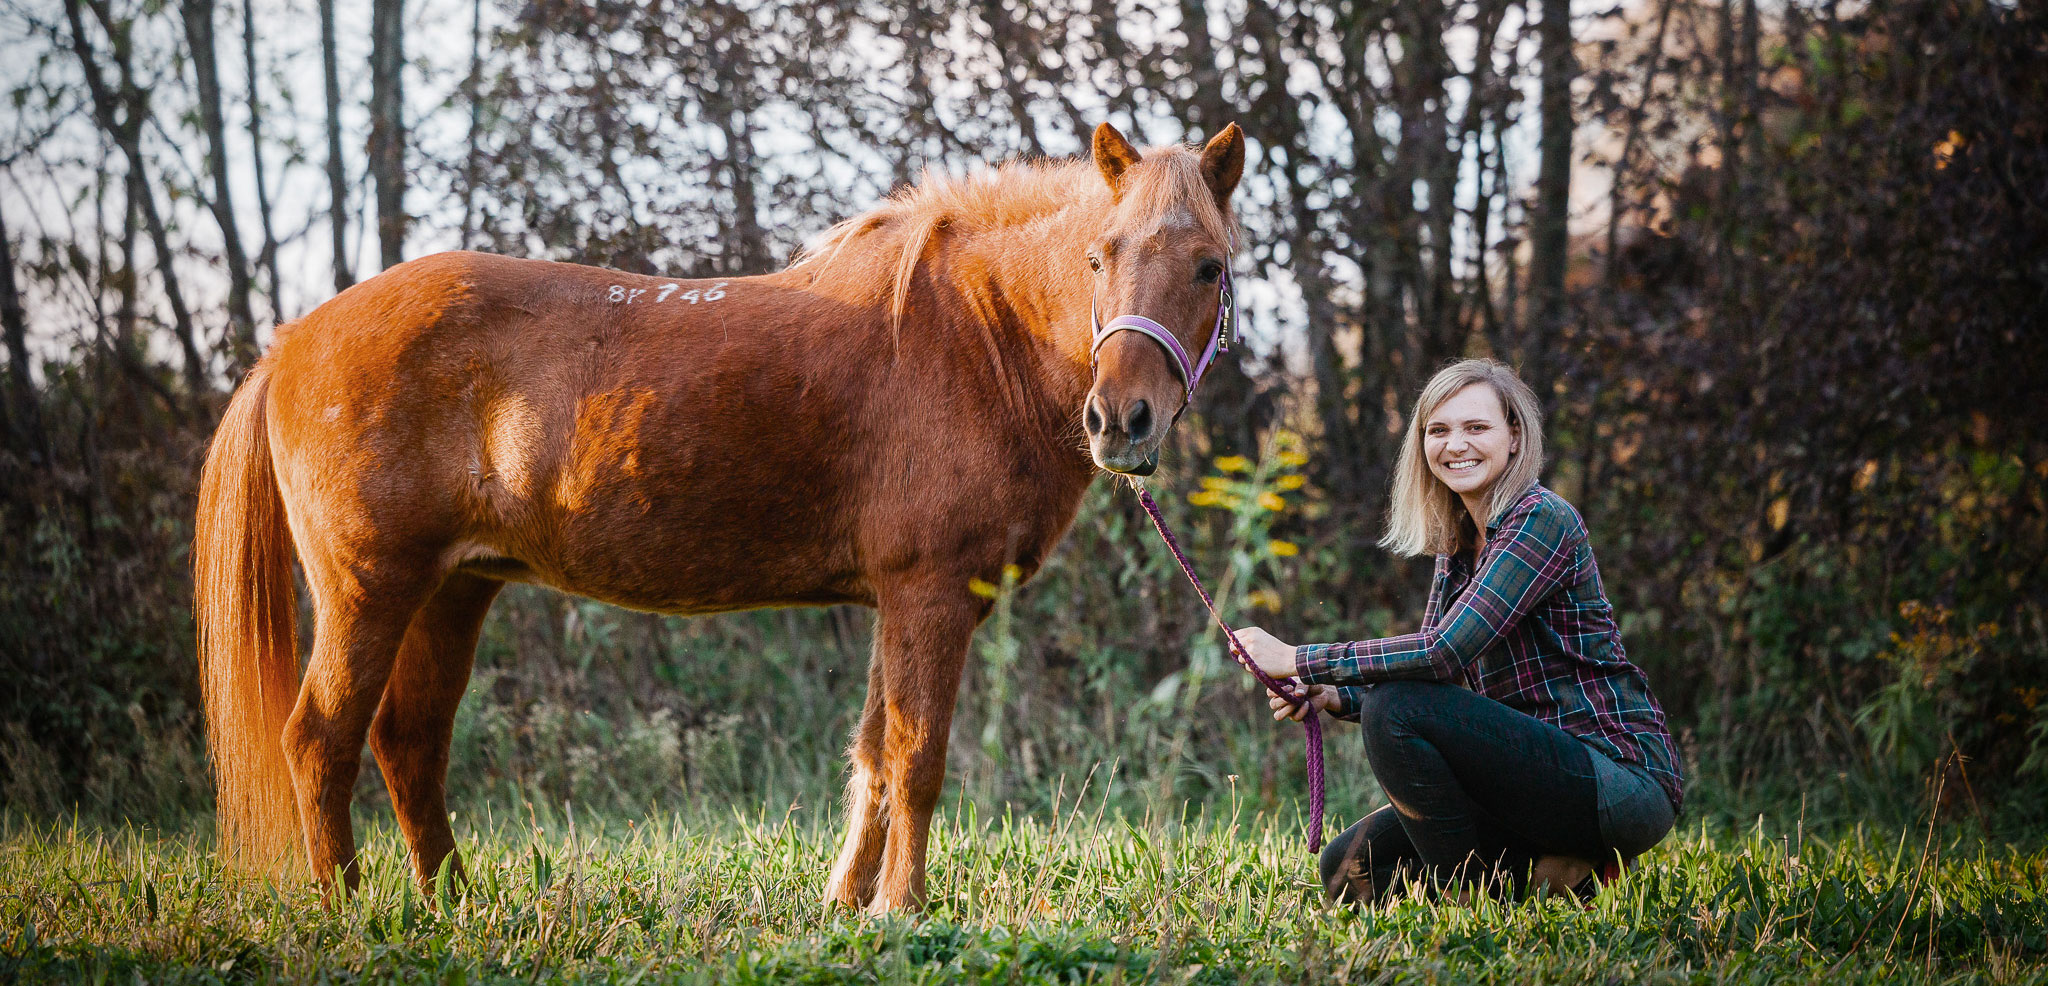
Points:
x=1511 y=734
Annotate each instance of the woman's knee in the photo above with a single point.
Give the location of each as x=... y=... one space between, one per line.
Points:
x=1635 y=824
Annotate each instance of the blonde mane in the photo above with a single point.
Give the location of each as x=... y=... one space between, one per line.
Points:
x=1006 y=197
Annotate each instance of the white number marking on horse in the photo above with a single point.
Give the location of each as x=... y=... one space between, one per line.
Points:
x=619 y=294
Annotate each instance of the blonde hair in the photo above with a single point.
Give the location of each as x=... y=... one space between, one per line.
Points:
x=1425 y=517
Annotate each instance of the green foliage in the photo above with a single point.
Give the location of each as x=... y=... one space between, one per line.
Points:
x=1914 y=719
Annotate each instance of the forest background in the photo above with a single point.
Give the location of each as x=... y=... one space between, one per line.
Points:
x=1778 y=270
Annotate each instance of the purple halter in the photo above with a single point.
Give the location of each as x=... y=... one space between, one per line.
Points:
x=1190 y=372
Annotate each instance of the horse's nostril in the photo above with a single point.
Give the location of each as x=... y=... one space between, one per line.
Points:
x=1138 y=423
x=1092 y=420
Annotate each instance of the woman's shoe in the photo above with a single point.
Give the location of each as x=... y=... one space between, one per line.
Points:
x=1559 y=875
x=1606 y=873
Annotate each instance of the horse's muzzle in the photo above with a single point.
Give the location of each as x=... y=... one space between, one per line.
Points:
x=1130 y=459
x=1125 y=439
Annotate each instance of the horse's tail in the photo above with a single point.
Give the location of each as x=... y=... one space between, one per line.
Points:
x=248 y=636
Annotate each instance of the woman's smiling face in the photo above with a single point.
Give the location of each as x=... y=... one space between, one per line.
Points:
x=1468 y=441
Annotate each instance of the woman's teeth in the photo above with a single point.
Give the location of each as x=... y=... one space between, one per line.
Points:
x=1461 y=465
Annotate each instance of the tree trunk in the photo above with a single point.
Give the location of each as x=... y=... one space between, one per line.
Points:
x=470 y=85
x=753 y=255
x=127 y=344
x=198 y=16
x=1353 y=424
x=1340 y=468
x=1485 y=104
x=1013 y=53
x=125 y=315
x=266 y=258
x=1650 y=60
x=387 y=124
x=337 y=178
x=730 y=109
x=1207 y=113
x=1548 y=241
x=1730 y=110
x=1471 y=300
x=121 y=116
x=24 y=419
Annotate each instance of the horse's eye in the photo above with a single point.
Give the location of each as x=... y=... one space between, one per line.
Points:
x=1095 y=263
x=1209 y=271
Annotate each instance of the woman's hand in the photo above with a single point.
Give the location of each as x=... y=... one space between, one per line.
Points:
x=1320 y=697
x=1272 y=656
x=1276 y=658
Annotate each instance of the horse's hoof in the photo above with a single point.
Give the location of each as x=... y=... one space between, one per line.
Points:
x=882 y=906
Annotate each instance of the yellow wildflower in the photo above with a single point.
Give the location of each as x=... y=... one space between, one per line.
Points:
x=1289 y=482
x=1012 y=573
x=1234 y=463
x=1215 y=482
x=1283 y=549
x=1206 y=498
x=1263 y=599
x=1272 y=501
x=1292 y=459
x=981 y=588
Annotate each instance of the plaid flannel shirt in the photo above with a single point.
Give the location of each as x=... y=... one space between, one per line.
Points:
x=1533 y=631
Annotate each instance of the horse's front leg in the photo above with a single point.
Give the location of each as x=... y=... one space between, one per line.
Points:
x=923 y=637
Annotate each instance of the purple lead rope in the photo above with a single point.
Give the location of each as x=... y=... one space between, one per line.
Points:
x=1313 y=722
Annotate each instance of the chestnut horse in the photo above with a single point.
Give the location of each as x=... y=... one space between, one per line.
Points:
x=896 y=414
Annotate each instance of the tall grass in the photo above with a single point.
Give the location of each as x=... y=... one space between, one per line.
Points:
x=1076 y=894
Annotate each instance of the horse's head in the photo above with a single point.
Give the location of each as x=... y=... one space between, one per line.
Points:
x=1160 y=268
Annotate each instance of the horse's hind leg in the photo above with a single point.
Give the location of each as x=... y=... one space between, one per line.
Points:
x=867 y=821
x=416 y=718
x=359 y=625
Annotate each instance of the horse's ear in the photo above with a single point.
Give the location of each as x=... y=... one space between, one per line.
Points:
x=1223 y=164
x=1114 y=155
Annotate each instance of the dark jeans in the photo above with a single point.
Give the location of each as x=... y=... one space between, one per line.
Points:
x=1479 y=791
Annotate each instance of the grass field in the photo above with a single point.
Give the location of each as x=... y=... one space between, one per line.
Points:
x=1072 y=896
